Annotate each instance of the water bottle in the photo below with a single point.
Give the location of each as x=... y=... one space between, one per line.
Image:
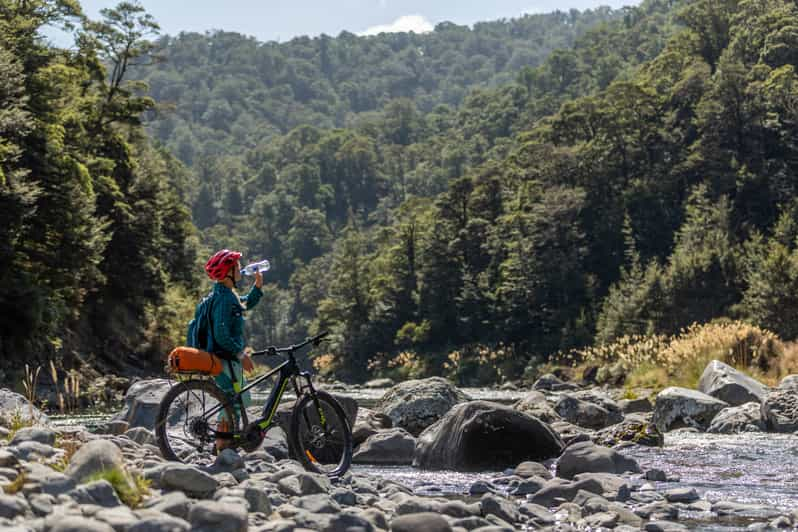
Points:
x=251 y=269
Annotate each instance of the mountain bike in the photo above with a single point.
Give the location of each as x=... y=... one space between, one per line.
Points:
x=194 y=411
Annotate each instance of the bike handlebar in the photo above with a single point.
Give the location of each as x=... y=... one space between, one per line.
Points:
x=315 y=340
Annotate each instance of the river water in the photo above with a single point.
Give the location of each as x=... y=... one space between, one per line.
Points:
x=755 y=468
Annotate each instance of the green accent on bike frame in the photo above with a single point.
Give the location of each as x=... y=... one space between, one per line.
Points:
x=237 y=387
x=266 y=422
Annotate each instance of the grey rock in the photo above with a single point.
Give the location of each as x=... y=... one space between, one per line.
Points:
x=528 y=486
x=655 y=475
x=142 y=402
x=613 y=486
x=729 y=385
x=790 y=382
x=657 y=510
x=31 y=450
x=13 y=404
x=483 y=435
x=141 y=435
x=94 y=457
x=347 y=522
x=227 y=461
x=679 y=407
x=481 y=486
x=388 y=447
x=470 y=523
x=38 y=434
x=552 y=383
x=319 y=503
x=535 y=404
x=213 y=516
x=416 y=404
x=663 y=526
x=586 y=457
x=736 y=419
x=344 y=497
x=584 y=413
x=100 y=493
x=258 y=500
x=780 y=410
x=50 y=481
x=500 y=507
x=72 y=523
x=174 y=503
x=187 y=478
x=160 y=523
x=684 y=495
x=379 y=383
x=635 y=406
x=12 y=506
x=558 y=489
x=532 y=469
x=635 y=429
x=460 y=509
x=41 y=504
x=420 y=522
x=744 y=510
x=120 y=518
x=8 y=459
x=601 y=520
x=369 y=423
x=538 y=515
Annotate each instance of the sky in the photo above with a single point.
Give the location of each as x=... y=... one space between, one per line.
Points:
x=281 y=20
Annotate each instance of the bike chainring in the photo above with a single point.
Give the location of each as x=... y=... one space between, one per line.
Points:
x=251 y=438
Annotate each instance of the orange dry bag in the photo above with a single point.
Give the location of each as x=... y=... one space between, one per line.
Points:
x=192 y=360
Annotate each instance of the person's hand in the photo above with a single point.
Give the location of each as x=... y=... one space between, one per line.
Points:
x=258 y=279
x=247 y=363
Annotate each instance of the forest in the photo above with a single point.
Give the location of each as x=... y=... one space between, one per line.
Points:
x=468 y=202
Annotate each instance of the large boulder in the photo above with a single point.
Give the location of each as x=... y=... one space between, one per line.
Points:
x=595 y=414
x=534 y=404
x=680 y=407
x=416 y=404
x=587 y=457
x=780 y=411
x=735 y=419
x=390 y=447
x=142 y=401
x=727 y=384
x=482 y=435
x=14 y=405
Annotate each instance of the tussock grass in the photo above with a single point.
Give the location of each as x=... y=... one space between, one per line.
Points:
x=131 y=489
x=659 y=361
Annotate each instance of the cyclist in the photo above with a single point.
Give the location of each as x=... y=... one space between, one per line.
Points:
x=227 y=325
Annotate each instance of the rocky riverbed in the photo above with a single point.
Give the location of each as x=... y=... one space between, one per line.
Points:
x=430 y=457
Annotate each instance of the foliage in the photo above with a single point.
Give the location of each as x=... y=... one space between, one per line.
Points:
x=131 y=489
x=93 y=226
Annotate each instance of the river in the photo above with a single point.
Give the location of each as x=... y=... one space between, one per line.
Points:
x=754 y=468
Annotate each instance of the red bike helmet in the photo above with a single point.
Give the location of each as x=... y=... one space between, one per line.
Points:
x=219 y=265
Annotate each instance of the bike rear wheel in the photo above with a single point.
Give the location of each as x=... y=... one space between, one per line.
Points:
x=181 y=428
x=320 y=434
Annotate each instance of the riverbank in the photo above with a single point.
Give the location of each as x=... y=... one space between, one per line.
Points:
x=614 y=463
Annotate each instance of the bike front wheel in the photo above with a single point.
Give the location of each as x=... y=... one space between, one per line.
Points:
x=184 y=431
x=320 y=434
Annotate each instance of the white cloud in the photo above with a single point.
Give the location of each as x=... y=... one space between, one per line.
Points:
x=415 y=23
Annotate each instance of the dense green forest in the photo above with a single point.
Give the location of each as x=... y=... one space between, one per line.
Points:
x=467 y=202
x=94 y=235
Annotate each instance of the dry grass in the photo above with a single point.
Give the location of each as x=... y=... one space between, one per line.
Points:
x=131 y=489
x=16 y=485
x=658 y=361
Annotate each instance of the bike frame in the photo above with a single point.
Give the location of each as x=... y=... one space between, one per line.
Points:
x=289 y=372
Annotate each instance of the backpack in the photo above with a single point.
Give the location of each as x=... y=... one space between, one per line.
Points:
x=200 y=335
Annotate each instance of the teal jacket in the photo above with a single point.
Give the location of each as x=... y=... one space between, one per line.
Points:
x=227 y=318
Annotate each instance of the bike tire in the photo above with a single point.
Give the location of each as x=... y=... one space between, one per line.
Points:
x=186 y=387
x=336 y=420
